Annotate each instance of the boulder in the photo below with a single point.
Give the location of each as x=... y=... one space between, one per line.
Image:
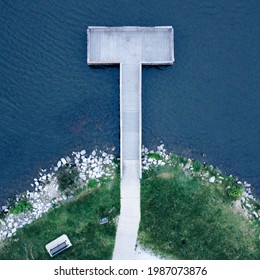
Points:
x=63 y=160
x=255 y=214
x=83 y=152
x=78 y=155
x=59 y=164
x=94 y=153
x=83 y=177
x=212 y=179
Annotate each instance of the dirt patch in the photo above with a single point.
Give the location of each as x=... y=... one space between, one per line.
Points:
x=166 y=175
x=237 y=207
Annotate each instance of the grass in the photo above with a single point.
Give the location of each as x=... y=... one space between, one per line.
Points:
x=184 y=217
x=79 y=219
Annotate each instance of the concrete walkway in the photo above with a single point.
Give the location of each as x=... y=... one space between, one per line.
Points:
x=129 y=219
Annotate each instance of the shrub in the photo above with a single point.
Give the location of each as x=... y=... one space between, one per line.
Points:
x=235 y=192
x=92 y=183
x=22 y=206
x=155 y=156
x=67 y=178
x=197 y=166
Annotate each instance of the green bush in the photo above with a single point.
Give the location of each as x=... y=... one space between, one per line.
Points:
x=67 y=178
x=22 y=206
x=235 y=192
x=197 y=166
x=92 y=183
x=155 y=156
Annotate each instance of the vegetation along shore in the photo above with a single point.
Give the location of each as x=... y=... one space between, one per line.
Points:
x=189 y=210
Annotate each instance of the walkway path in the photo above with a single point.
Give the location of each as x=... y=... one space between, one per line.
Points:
x=131 y=47
x=129 y=219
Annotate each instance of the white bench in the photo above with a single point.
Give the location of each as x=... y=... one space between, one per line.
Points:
x=58 y=245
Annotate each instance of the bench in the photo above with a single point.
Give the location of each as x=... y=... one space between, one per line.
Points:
x=58 y=245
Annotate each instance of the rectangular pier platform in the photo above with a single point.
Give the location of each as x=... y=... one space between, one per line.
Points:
x=131 y=47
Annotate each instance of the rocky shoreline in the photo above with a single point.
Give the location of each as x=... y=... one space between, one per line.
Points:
x=97 y=165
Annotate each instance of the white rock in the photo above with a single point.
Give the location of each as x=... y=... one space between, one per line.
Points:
x=10 y=225
x=59 y=164
x=48 y=205
x=63 y=160
x=83 y=177
x=83 y=152
x=13 y=230
x=78 y=155
x=96 y=169
x=255 y=214
x=55 y=168
x=212 y=179
x=93 y=153
x=248 y=205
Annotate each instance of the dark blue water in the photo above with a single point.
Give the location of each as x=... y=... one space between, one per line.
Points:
x=52 y=103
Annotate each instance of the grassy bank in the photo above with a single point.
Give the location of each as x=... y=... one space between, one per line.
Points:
x=79 y=219
x=185 y=217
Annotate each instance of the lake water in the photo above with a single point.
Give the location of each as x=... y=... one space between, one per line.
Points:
x=205 y=106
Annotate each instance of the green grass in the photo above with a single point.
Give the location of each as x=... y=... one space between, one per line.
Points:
x=79 y=219
x=186 y=218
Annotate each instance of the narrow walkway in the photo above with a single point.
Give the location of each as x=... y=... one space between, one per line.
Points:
x=128 y=225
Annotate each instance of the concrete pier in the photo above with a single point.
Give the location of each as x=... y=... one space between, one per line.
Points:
x=130 y=47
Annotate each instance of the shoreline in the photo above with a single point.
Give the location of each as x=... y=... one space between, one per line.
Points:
x=100 y=164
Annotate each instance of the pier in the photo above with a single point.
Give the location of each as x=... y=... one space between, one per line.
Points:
x=130 y=47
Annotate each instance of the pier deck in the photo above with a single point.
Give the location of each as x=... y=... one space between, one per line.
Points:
x=130 y=47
